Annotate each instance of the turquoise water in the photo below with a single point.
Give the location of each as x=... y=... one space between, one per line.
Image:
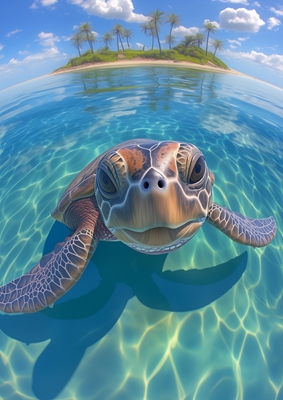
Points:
x=203 y=322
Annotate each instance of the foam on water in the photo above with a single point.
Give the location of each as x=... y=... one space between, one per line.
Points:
x=137 y=326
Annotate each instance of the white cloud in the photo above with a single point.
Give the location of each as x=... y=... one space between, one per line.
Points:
x=241 y=20
x=44 y=3
x=235 y=1
x=242 y=39
x=256 y=3
x=13 y=61
x=213 y=23
x=181 y=31
x=33 y=59
x=24 y=52
x=46 y=54
x=273 y=22
x=234 y=42
x=9 y=34
x=47 y=3
x=111 y=9
x=49 y=53
x=274 y=61
x=47 y=39
x=1 y=46
x=75 y=27
x=277 y=12
x=43 y=35
x=139 y=45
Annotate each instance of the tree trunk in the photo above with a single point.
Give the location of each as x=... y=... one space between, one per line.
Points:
x=207 y=42
x=170 y=34
x=121 y=42
x=157 y=37
x=89 y=42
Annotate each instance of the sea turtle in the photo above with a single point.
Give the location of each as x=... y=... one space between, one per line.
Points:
x=151 y=195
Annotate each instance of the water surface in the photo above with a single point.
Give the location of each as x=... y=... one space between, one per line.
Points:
x=204 y=322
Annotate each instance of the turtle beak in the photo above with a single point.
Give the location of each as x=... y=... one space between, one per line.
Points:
x=158 y=237
x=156 y=203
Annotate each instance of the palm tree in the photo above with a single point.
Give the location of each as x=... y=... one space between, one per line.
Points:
x=152 y=33
x=77 y=40
x=144 y=27
x=156 y=20
x=199 y=38
x=218 y=45
x=189 y=40
x=149 y=30
x=209 y=27
x=107 y=39
x=118 y=31
x=173 y=20
x=170 y=40
x=127 y=33
x=92 y=39
x=86 y=28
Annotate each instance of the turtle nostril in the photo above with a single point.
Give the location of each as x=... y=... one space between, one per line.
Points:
x=146 y=185
x=160 y=184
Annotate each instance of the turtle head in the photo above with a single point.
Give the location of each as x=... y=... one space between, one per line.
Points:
x=154 y=196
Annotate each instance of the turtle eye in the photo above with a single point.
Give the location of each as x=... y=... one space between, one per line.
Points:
x=198 y=171
x=105 y=183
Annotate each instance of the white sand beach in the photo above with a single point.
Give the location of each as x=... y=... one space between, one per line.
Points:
x=141 y=61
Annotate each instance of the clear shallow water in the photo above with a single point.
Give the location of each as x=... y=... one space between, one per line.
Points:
x=128 y=330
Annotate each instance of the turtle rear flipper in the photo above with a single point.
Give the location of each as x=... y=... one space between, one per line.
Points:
x=241 y=229
x=52 y=277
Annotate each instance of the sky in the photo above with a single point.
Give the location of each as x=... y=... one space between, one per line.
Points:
x=35 y=34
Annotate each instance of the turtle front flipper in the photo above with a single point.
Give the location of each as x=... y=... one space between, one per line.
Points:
x=52 y=277
x=241 y=229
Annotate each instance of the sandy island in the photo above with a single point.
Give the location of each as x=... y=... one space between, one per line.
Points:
x=142 y=61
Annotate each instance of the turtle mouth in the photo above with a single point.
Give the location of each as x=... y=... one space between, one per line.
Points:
x=159 y=236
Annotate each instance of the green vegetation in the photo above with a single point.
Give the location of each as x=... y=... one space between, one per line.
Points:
x=193 y=54
x=189 y=49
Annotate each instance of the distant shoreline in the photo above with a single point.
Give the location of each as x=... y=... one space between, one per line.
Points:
x=138 y=61
x=143 y=62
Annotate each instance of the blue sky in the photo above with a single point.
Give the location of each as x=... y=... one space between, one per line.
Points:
x=35 y=34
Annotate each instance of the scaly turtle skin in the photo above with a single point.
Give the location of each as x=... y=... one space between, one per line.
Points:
x=153 y=196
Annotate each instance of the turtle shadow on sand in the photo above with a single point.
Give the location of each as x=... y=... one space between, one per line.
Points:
x=92 y=307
